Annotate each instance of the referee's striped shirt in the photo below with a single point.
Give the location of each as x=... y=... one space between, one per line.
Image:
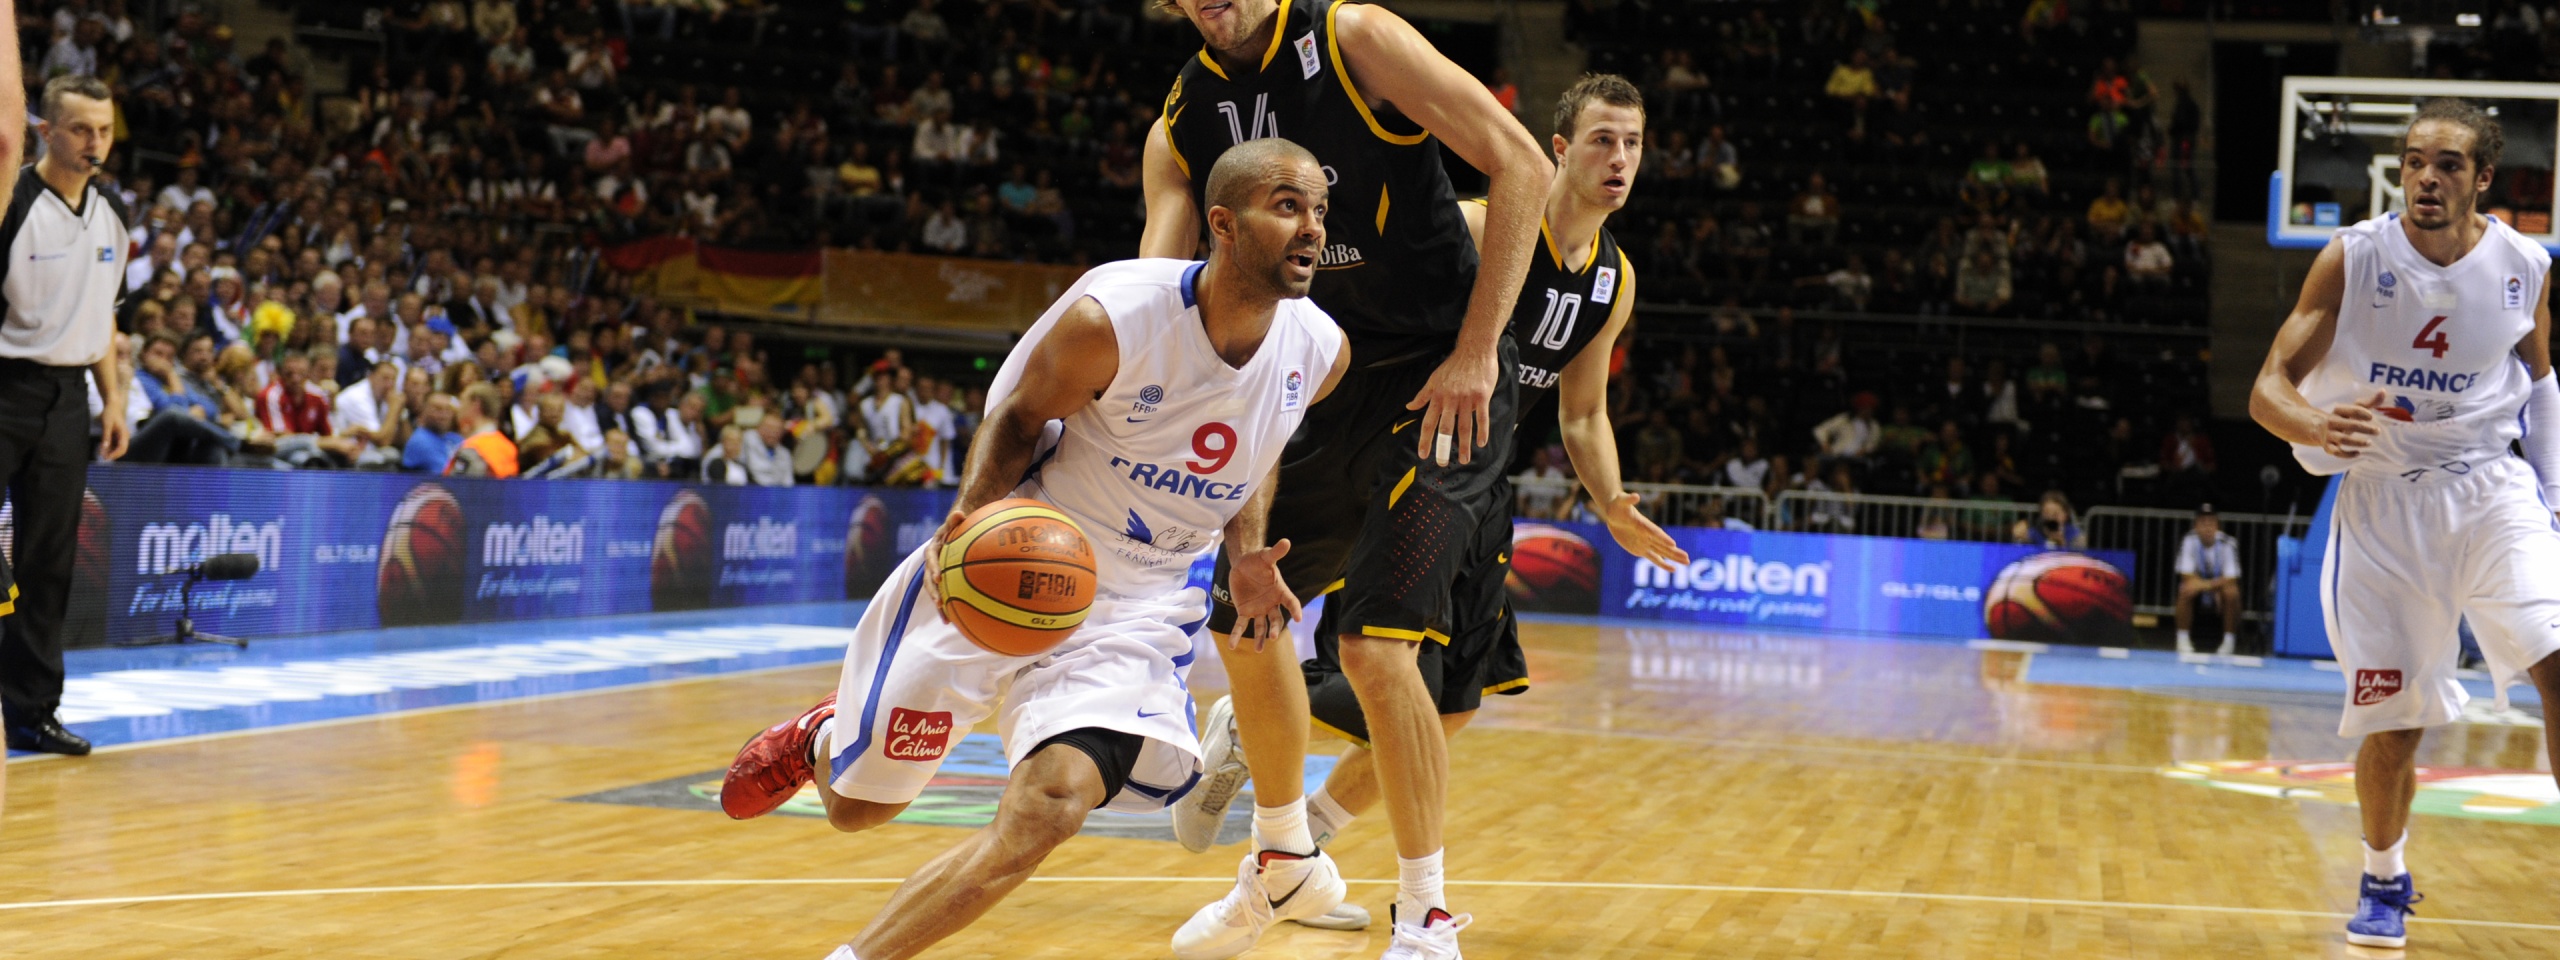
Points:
x=63 y=279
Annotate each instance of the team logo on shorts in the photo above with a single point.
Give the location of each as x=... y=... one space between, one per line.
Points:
x=2375 y=686
x=916 y=734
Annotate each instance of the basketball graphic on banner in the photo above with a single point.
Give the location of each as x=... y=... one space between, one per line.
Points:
x=1553 y=570
x=870 y=548
x=2059 y=598
x=683 y=563
x=421 y=578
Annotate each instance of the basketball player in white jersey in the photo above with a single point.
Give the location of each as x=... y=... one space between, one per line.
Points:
x=1598 y=146
x=1150 y=403
x=2419 y=349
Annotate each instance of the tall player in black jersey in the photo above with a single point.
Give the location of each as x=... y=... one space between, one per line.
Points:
x=1388 y=479
x=1580 y=295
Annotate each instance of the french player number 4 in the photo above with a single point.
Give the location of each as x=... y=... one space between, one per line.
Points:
x=2432 y=339
x=1214 y=444
x=1556 y=326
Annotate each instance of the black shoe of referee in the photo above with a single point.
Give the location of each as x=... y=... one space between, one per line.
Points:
x=47 y=736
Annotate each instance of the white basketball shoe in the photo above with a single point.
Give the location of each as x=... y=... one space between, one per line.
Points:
x=1200 y=813
x=1271 y=886
x=1344 y=916
x=1435 y=938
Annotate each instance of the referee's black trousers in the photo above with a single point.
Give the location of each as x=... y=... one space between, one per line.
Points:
x=44 y=454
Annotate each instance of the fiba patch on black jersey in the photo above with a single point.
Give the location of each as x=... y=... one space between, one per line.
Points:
x=1398 y=264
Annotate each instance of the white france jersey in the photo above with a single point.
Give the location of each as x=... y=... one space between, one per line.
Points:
x=2438 y=342
x=1155 y=468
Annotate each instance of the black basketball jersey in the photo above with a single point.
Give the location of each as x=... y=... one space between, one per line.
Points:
x=1398 y=263
x=1562 y=308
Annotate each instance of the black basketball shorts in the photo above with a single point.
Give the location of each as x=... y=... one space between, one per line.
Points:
x=1482 y=658
x=1366 y=517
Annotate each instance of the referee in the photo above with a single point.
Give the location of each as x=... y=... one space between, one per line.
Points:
x=66 y=245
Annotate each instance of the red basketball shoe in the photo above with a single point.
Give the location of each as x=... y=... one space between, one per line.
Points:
x=773 y=764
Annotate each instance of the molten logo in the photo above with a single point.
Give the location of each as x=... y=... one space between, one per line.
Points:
x=761 y=540
x=916 y=735
x=2375 y=686
x=1740 y=574
x=168 y=547
x=542 y=543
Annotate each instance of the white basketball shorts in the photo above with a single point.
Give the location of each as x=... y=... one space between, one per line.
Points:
x=913 y=686
x=2409 y=557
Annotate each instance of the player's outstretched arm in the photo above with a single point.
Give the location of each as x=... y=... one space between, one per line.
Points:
x=1390 y=61
x=1173 y=221
x=2276 y=401
x=1067 y=369
x=1582 y=411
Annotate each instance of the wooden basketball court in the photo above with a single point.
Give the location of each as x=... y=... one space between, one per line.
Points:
x=1659 y=793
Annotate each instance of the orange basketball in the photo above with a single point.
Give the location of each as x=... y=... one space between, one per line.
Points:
x=1018 y=578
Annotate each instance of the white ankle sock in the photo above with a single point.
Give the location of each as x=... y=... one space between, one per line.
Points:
x=843 y=952
x=2184 y=640
x=818 y=751
x=2389 y=862
x=1283 y=828
x=1325 y=817
x=2230 y=643
x=1418 y=887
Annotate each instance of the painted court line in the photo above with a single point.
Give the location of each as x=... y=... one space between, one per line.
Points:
x=537 y=698
x=1531 y=884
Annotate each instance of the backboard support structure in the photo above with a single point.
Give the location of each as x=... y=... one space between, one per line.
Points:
x=2338 y=159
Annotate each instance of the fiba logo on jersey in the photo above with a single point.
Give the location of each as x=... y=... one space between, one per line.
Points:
x=1293 y=389
x=2515 y=292
x=2388 y=286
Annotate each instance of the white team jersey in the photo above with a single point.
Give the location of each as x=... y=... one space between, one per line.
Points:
x=1154 y=468
x=2438 y=341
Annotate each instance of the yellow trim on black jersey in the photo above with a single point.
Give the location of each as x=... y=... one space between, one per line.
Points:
x=1331 y=587
x=1278 y=30
x=1382 y=209
x=1333 y=45
x=1173 y=115
x=1401 y=486
x=1556 y=253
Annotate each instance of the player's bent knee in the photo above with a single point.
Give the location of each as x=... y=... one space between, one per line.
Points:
x=854 y=816
x=1363 y=653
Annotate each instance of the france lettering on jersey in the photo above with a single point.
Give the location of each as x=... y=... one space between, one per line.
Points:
x=1154 y=468
x=2439 y=342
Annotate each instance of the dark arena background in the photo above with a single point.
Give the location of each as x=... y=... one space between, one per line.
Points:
x=1949 y=318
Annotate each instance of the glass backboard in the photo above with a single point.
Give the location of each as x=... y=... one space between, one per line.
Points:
x=2338 y=154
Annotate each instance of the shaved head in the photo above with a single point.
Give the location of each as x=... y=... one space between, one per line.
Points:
x=1248 y=169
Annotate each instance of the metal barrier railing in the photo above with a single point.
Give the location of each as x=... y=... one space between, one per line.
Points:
x=2155 y=534
x=1925 y=518
x=1670 y=504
